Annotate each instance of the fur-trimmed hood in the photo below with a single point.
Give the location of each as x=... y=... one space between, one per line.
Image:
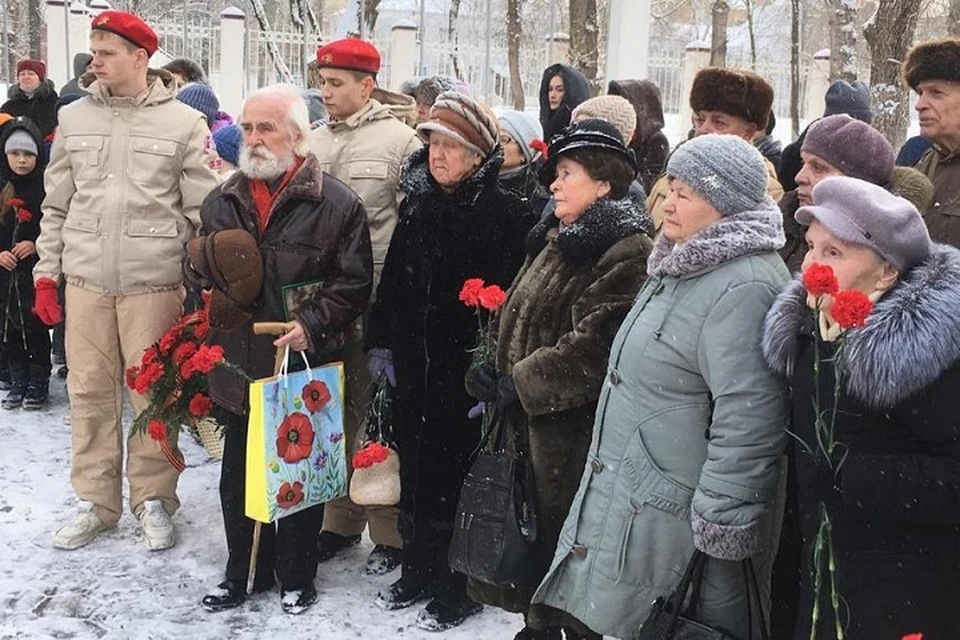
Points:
x=602 y=225
x=731 y=237
x=305 y=184
x=416 y=180
x=909 y=340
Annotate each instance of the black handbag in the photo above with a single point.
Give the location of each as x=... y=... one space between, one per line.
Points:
x=669 y=619
x=495 y=530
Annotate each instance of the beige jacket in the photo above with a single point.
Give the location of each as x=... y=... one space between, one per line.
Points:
x=124 y=186
x=367 y=151
x=660 y=190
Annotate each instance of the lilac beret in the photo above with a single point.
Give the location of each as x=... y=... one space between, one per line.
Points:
x=852 y=146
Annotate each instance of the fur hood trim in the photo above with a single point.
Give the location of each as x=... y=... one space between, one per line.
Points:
x=734 y=236
x=306 y=184
x=415 y=179
x=908 y=342
x=604 y=223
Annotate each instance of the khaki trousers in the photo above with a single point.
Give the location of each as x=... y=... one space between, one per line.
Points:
x=342 y=516
x=104 y=335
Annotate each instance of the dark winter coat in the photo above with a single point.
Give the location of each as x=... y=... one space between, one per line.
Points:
x=649 y=143
x=554 y=335
x=896 y=520
x=576 y=90
x=28 y=188
x=524 y=181
x=791 y=163
x=770 y=148
x=80 y=63
x=441 y=240
x=41 y=107
x=317 y=230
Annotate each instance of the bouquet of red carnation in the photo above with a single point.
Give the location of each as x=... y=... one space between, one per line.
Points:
x=376 y=466
x=485 y=300
x=172 y=374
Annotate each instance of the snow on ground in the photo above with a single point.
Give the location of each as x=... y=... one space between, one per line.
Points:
x=115 y=588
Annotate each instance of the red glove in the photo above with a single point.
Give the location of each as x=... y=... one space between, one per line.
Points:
x=46 y=305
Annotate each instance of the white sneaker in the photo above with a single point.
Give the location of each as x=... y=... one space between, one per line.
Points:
x=79 y=532
x=66 y=419
x=157 y=526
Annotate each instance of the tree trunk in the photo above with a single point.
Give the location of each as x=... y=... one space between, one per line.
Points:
x=753 y=36
x=843 y=40
x=34 y=26
x=514 y=33
x=584 y=39
x=795 y=69
x=889 y=35
x=718 y=39
x=261 y=15
x=453 y=37
x=953 y=27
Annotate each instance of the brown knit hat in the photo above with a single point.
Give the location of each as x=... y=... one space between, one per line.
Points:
x=465 y=119
x=231 y=260
x=933 y=60
x=616 y=110
x=739 y=93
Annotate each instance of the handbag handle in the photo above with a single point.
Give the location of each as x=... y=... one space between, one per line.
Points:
x=753 y=587
x=285 y=365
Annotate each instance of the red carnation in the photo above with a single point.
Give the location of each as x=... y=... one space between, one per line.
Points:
x=187 y=370
x=200 y=405
x=470 y=292
x=206 y=358
x=492 y=297
x=169 y=340
x=201 y=330
x=819 y=279
x=24 y=215
x=149 y=374
x=851 y=308
x=913 y=636
x=16 y=203
x=150 y=355
x=290 y=495
x=316 y=395
x=157 y=430
x=131 y=375
x=371 y=454
x=295 y=438
x=184 y=351
x=539 y=145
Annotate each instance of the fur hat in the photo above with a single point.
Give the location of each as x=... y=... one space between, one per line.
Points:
x=733 y=91
x=910 y=184
x=231 y=260
x=466 y=120
x=616 y=110
x=933 y=60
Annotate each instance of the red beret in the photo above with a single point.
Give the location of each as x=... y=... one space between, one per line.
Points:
x=129 y=27
x=350 y=53
x=33 y=65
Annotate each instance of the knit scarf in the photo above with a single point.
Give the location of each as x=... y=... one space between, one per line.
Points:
x=263 y=199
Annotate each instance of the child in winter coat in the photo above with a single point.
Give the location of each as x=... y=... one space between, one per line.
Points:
x=26 y=341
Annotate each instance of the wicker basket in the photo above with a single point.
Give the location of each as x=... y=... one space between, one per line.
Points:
x=211 y=437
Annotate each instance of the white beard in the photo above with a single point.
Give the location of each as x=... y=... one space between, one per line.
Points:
x=260 y=164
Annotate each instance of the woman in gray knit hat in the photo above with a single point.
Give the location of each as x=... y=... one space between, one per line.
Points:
x=689 y=429
x=456 y=223
x=890 y=480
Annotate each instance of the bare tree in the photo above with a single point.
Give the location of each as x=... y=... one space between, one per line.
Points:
x=889 y=34
x=584 y=39
x=261 y=15
x=953 y=26
x=371 y=11
x=843 y=39
x=748 y=5
x=718 y=38
x=453 y=36
x=514 y=34
x=795 y=68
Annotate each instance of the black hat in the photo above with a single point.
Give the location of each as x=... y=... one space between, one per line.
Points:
x=593 y=133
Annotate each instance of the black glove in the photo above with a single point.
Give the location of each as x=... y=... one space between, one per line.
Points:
x=506 y=393
x=482 y=381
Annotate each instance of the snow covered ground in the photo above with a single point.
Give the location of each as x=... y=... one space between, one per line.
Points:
x=115 y=588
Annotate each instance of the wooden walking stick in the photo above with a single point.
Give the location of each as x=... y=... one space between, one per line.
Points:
x=260 y=329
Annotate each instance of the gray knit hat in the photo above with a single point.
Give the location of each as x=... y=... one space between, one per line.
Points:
x=851 y=98
x=868 y=215
x=465 y=119
x=20 y=140
x=852 y=146
x=723 y=169
x=524 y=128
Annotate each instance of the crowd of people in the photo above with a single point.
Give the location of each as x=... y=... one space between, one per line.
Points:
x=675 y=354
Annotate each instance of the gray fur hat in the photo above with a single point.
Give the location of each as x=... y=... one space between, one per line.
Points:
x=723 y=169
x=868 y=215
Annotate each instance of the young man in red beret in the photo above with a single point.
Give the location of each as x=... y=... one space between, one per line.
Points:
x=365 y=144
x=127 y=174
x=33 y=96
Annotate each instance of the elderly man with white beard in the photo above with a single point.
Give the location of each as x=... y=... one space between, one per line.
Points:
x=309 y=228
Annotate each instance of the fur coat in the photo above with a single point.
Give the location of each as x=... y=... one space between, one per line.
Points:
x=896 y=516
x=554 y=336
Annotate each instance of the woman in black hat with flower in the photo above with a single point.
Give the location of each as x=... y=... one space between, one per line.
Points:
x=583 y=269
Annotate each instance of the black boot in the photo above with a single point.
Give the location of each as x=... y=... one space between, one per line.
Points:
x=5 y=384
x=553 y=633
x=382 y=560
x=572 y=634
x=408 y=590
x=440 y=616
x=296 y=601
x=36 y=395
x=230 y=594
x=330 y=544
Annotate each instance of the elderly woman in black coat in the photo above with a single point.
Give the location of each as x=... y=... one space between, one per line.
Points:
x=456 y=223
x=888 y=479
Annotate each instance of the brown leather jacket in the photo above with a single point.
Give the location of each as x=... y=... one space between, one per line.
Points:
x=317 y=230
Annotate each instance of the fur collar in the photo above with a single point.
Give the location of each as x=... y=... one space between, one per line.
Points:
x=415 y=179
x=306 y=184
x=910 y=338
x=731 y=237
x=601 y=226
